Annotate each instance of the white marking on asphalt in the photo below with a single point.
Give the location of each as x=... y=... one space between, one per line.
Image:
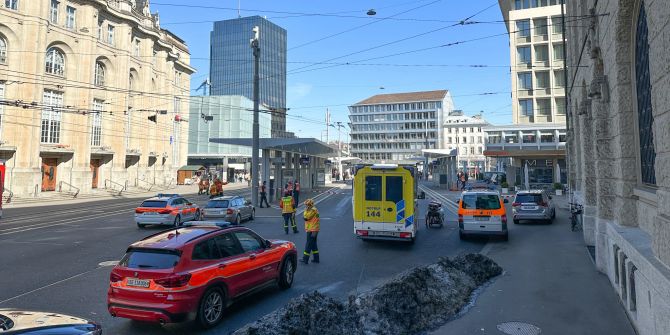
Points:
x=15 y=230
x=107 y=263
x=47 y=286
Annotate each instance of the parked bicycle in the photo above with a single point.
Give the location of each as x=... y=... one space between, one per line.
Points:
x=576 y=211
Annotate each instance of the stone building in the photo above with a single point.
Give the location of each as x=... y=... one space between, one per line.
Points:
x=619 y=148
x=465 y=134
x=92 y=94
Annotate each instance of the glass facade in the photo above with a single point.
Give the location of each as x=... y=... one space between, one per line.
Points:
x=232 y=61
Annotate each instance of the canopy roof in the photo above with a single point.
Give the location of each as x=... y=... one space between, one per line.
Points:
x=306 y=146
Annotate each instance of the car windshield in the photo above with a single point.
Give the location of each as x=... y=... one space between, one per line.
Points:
x=481 y=201
x=529 y=198
x=217 y=204
x=150 y=259
x=154 y=204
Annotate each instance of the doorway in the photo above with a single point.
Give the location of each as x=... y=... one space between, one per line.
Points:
x=49 y=170
x=95 y=170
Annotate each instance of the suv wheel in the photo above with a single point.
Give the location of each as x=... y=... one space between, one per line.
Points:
x=141 y=226
x=286 y=274
x=210 y=310
x=177 y=221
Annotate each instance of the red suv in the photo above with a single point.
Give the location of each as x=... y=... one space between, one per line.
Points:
x=196 y=270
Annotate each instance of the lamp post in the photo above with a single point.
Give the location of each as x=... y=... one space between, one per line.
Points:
x=255 y=145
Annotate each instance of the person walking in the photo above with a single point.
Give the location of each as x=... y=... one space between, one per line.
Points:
x=264 y=195
x=287 y=206
x=312 y=227
x=463 y=179
x=296 y=192
x=458 y=179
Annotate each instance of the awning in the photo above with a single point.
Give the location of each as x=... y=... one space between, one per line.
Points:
x=191 y=168
x=439 y=153
x=305 y=146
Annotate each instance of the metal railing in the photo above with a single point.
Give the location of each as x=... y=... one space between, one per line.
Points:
x=151 y=185
x=72 y=187
x=111 y=183
x=10 y=196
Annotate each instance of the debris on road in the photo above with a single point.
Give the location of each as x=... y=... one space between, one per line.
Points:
x=417 y=300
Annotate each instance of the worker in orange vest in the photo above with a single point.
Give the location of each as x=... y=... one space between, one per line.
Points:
x=312 y=227
x=287 y=206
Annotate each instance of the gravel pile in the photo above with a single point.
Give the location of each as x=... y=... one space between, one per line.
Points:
x=420 y=299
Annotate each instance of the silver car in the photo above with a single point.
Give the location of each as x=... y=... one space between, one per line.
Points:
x=534 y=205
x=233 y=209
x=166 y=209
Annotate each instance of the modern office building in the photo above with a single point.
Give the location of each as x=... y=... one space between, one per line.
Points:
x=232 y=64
x=465 y=134
x=396 y=127
x=79 y=81
x=227 y=116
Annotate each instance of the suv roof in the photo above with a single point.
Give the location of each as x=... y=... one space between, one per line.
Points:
x=530 y=192
x=175 y=238
x=226 y=197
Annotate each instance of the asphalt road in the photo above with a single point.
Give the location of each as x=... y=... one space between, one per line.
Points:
x=51 y=259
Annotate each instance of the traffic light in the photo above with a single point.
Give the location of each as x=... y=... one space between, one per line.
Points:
x=152 y=118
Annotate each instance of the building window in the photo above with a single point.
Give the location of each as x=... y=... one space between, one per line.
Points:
x=479 y=139
x=3 y=51
x=55 y=62
x=96 y=122
x=560 y=106
x=136 y=47
x=523 y=28
x=547 y=138
x=542 y=80
x=70 y=20
x=559 y=79
x=12 y=4
x=110 y=34
x=540 y=26
x=526 y=107
x=53 y=13
x=51 y=116
x=523 y=55
x=481 y=150
x=472 y=151
x=99 y=74
x=557 y=24
x=528 y=137
x=465 y=139
x=644 y=106
x=100 y=24
x=541 y=53
x=544 y=107
x=558 y=52
x=2 y=108
x=525 y=81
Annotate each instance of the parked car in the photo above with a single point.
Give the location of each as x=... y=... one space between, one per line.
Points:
x=233 y=209
x=482 y=212
x=166 y=209
x=166 y=279
x=14 y=321
x=533 y=205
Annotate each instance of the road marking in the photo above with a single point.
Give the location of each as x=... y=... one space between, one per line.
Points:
x=15 y=230
x=47 y=286
x=448 y=204
x=107 y=263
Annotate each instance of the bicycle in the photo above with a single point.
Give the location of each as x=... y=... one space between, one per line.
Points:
x=576 y=211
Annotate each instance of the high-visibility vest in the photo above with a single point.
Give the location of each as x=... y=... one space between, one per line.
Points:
x=312 y=221
x=287 y=205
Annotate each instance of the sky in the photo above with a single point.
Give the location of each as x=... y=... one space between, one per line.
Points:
x=338 y=55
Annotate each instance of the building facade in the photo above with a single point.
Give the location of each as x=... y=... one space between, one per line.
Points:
x=466 y=134
x=620 y=140
x=232 y=62
x=396 y=127
x=78 y=83
x=231 y=117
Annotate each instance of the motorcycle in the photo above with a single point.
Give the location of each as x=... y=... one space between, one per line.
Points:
x=435 y=215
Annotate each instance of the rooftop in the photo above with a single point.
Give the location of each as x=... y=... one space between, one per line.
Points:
x=170 y=239
x=404 y=97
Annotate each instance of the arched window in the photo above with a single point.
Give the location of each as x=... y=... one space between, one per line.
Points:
x=55 y=62
x=3 y=51
x=99 y=78
x=644 y=108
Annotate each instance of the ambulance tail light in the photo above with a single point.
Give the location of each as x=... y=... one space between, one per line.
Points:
x=405 y=235
x=362 y=232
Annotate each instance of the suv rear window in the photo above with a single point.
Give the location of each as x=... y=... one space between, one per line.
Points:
x=481 y=201
x=217 y=204
x=150 y=259
x=154 y=204
x=528 y=198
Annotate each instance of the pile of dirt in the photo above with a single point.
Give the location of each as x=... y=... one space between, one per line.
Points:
x=417 y=300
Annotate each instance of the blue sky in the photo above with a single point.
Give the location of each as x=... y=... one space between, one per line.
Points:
x=311 y=89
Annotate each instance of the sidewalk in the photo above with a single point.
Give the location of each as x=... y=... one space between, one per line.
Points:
x=549 y=285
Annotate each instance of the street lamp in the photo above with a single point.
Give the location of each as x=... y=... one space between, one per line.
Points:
x=255 y=142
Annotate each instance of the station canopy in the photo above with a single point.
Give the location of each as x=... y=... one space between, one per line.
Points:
x=304 y=146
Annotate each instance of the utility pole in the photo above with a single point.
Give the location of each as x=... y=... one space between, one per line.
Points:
x=327 y=123
x=255 y=45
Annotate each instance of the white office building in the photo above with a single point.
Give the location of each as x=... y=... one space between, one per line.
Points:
x=466 y=135
x=396 y=127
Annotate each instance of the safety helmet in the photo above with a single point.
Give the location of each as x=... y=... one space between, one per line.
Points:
x=309 y=202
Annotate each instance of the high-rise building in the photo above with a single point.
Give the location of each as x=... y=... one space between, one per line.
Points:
x=396 y=127
x=232 y=64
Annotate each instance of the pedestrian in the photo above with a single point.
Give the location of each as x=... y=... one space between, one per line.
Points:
x=287 y=206
x=463 y=181
x=296 y=191
x=264 y=195
x=312 y=227
x=458 y=179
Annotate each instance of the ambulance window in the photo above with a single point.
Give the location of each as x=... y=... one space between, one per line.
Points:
x=373 y=188
x=394 y=189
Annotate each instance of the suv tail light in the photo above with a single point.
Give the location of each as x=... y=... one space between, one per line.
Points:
x=177 y=280
x=516 y=204
x=114 y=277
x=503 y=218
x=229 y=211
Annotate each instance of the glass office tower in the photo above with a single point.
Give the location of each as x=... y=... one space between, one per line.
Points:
x=232 y=61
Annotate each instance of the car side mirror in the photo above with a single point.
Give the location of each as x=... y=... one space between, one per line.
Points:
x=268 y=244
x=505 y=201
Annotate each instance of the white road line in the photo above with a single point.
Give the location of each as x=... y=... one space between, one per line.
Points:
x=55 y=223
x=47 y=286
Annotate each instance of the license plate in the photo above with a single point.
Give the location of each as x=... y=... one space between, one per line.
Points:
x=481 y=218
x=138 y=282
x=150 y=213
x=529 y=208
x=384 y=233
